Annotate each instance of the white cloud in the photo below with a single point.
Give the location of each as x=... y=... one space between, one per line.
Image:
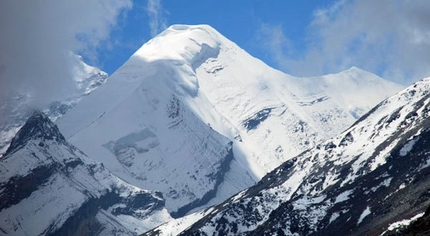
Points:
x=276 y=43
x=37 y=36
x=157 y=20
x=387 y=37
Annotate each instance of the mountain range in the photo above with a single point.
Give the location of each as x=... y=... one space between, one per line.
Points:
x=196 y=117
x=192 y=123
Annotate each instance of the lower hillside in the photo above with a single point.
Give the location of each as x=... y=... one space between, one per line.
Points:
x=48 y=187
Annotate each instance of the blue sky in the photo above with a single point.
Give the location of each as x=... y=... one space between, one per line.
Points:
x=302 y=38
x=241 y=21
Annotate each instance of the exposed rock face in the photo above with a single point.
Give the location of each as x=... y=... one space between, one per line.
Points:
x=38 y=126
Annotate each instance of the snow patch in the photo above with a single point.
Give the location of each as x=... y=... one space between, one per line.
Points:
x=408 y=147
x=363 y=215
x=305 y=202
x=402 y=223
x=343 y=196
x=334 y=216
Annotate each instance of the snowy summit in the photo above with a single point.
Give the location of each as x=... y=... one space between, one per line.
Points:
x=191 y=114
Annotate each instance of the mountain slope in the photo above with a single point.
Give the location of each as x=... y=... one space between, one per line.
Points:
x=373 y=174
x=196 y=117
x=48 y=187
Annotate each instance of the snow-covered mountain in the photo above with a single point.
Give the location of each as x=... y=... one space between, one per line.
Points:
x=375 y=173
x=49 y=187
x=194 y=116
x=19 y=105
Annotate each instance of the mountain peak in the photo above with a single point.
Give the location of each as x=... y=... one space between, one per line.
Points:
x=185 y=43
x=38 y=126
x=358 y=72
x=196 y=29
x=182 y=27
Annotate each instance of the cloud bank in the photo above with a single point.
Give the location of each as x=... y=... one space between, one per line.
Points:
x=386 y=37
x=38 y=36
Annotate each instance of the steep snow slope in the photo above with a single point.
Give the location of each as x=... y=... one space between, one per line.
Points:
x=167 y=117
x=18 y=106
x=277 y=116
x=145 y=134
x=47 y=186
x=375 y=173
